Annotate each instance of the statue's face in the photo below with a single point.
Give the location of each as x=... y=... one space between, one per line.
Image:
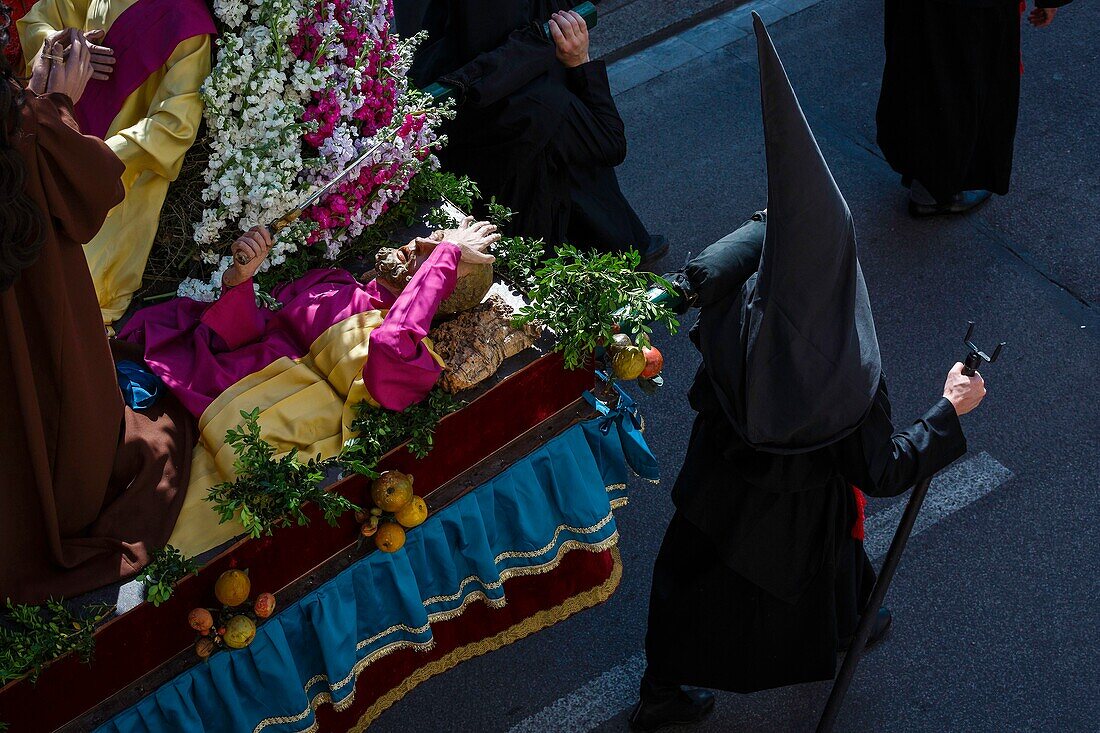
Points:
x=396 y=267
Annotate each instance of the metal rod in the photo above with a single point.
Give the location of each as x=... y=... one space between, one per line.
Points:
x=870 y=612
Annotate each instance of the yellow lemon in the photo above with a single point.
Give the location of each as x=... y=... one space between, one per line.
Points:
x=232 y=587
x=413 y=514
x=390 y=537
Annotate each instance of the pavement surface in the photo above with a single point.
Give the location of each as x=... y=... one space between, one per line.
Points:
x=997 y=601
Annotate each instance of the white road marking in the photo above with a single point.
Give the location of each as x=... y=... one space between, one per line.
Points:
x=599 y=700
x=958 y=486
x=616 y=689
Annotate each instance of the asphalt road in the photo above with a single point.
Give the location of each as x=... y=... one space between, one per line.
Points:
x=997 y=604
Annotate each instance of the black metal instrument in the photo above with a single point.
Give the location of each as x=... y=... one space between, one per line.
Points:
x=893 y=557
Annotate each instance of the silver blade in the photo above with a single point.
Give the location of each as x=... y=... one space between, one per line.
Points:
x=303 y=205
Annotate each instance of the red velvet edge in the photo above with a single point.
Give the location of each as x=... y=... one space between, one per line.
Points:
x=579 y=571
x=136 y=643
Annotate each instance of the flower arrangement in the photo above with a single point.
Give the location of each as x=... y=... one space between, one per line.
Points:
x=299 y=90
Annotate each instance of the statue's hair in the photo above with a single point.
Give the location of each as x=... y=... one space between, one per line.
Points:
x=21 y=226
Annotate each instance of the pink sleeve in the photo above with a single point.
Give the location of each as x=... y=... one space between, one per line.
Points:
x=235 y=317
x=400 y=371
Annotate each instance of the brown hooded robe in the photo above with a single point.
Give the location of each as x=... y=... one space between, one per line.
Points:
x=88 y=486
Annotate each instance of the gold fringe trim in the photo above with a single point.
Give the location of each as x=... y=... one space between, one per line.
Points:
x=554 y=540
x=506 y=574
x=523 y=629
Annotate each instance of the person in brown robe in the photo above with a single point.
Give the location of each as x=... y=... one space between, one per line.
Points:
x=88 y=487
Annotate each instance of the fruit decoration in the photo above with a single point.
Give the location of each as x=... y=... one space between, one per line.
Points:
x=264 y=605
x=239 y=632
x=412 y=514
x=204 y=647
x=390 y=537
x=233 y=626
x=395 y=509
x=232 y=588
x=642 y=361
x=391 y=491
x=201 y=620
x=654 y=362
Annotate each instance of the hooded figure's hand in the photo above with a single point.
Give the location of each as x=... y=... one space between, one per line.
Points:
x=963 y=392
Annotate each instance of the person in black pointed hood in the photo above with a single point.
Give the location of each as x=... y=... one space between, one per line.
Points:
x=762 y=573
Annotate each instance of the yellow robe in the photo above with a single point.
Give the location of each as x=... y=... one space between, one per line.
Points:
x=305 y=403
x=156 y=126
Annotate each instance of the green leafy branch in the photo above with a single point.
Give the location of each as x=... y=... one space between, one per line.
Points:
x=583 y=296
x=378 y=430
x=166 y=568
x=269 y=493
x=33 y=636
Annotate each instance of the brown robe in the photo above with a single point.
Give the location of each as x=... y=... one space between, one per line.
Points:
x=88 y=487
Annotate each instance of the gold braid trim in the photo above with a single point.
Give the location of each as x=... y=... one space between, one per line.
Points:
x=523 y=629
x=357 y=669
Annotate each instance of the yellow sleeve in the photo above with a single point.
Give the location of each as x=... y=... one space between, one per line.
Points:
x=158 y=141
x=46 y=17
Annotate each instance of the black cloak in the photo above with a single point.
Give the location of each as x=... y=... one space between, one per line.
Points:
x=951 y=92
x=541 y=138
x=762 y=569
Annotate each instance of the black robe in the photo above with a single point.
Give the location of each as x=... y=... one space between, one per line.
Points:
x=951 y=91
x=759 y=574
x=541 y=138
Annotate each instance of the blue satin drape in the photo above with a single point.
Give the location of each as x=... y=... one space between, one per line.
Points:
x=559 y=496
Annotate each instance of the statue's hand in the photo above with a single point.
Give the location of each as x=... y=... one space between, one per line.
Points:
x=256 y=244
x=474 y=238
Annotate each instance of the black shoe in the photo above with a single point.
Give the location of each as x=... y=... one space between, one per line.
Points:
x=883 y=620
x=654 y=253
x=958 y=204
x=685 y=708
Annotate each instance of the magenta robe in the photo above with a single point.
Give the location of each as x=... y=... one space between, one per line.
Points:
x=200 y=349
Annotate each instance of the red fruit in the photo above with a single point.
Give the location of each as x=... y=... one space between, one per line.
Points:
x=654 y=362
x=264 y=605
x=200 y=619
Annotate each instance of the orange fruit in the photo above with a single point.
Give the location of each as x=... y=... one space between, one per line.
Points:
x=239 y=632
x=412 y=514
x=392 y=491
x=200 y=619
x=264 y=605
x=627 y=363
x=654 y=362
x=390 y=537
x=204 y=647
x=232 y=587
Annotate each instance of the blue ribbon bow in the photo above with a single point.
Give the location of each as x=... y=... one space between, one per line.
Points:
x=626 y=419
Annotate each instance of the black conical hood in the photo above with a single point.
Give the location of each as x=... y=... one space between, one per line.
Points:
x=795 y=358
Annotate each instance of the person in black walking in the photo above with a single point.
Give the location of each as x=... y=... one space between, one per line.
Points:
x=950 y=95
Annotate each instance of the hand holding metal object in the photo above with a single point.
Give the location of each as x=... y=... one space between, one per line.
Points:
x=291 y=216
x=976 y=356
x=889 y=566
